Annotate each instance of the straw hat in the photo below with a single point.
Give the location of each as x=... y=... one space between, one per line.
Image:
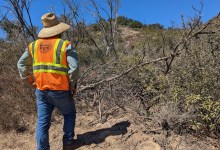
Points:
x=52 y=26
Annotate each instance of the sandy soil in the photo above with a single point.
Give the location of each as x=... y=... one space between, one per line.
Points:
x=125 y=132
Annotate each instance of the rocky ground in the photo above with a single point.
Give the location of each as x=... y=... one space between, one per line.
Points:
x=123 y=132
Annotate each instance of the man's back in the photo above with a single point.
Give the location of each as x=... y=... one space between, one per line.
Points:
x=50 y=66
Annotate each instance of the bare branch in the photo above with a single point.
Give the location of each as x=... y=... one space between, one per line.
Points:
x=176 y=52
x=18 y=10
x=91 y=86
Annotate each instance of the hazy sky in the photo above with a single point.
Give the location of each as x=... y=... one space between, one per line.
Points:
x=146 y=11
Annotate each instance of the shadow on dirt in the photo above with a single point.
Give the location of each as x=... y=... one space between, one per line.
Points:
x=100 y=135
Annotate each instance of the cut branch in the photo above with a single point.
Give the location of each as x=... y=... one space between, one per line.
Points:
x=91 y=86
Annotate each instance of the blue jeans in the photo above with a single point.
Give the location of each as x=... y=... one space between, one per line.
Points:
x=46 y=101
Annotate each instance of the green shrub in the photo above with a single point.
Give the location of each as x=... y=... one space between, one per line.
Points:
x=207 y=110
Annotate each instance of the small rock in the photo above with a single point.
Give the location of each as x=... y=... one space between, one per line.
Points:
x=93 y=145
x=149 y=145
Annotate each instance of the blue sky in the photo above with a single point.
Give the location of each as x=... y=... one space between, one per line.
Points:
x=146 y=11
x=165 y=11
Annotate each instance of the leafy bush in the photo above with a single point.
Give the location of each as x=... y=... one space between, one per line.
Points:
x=155 y=26
x=207 y=111
x=124 y=21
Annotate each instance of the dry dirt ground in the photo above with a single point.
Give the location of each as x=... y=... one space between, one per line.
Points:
x=123 y=132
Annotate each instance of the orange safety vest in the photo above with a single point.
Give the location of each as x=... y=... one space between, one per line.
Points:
x=50 y=63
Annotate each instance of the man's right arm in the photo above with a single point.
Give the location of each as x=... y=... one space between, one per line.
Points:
x=24 y=64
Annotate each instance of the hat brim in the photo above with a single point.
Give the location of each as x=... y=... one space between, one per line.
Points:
x=52 y=31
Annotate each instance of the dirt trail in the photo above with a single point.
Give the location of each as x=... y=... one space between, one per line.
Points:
x=124 y=132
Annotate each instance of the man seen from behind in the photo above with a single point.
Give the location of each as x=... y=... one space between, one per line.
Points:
x=54 y=73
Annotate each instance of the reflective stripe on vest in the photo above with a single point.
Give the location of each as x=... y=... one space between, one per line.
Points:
x=33 y=45
x=55 y=66
x=51 y=69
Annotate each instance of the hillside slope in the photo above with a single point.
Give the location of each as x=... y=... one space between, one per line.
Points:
x=193 y=71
